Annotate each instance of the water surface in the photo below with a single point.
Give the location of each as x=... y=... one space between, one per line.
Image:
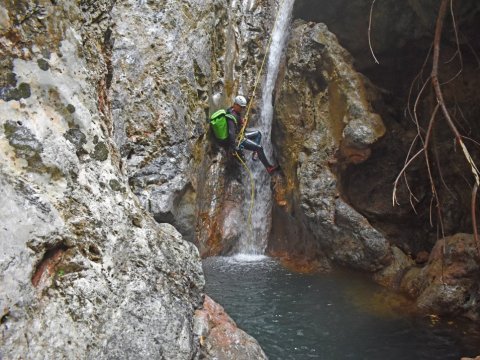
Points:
x=327 y=316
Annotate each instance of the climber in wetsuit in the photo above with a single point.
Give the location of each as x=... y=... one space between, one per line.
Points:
x=252 y=138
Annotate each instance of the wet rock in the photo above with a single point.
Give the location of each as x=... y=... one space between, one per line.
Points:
x=392 y=275
x=220 y=338
x=323 y=117
x=220 y=225
x=448 y=284
x=355 y=242
x=194 y=60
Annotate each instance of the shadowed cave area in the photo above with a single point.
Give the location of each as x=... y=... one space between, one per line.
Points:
x=401 y=35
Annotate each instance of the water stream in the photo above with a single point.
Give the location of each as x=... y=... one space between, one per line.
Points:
x=328 y=316
x=255 y=241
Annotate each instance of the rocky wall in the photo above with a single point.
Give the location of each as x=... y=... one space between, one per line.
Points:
x=423 y=234
x=85 y=271
x=192 y=59
x=323 y=121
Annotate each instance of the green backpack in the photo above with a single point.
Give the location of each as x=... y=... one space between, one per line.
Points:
x=218 y=122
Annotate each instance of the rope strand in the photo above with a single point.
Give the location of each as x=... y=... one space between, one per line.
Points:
x=241 y=134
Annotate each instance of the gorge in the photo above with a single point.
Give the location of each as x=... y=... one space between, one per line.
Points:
x=113 y=189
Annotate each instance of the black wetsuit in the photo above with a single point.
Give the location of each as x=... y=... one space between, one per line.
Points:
x=251 y=141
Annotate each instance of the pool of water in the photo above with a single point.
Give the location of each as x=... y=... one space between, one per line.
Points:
x=339 y=315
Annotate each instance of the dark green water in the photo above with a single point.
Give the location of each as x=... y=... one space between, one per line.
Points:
x=328 y=316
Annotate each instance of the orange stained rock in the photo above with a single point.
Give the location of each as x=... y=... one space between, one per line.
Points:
x=354 y=155
x=299 y=264
x=48 y=265
x=213 y=245
x=216 y=313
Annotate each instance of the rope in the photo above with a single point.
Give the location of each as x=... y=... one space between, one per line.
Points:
x=241 y=134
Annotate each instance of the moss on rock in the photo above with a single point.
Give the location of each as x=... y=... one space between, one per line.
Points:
x=23 y=91
x=43 y=64
x=116 y=186
x=101 y=152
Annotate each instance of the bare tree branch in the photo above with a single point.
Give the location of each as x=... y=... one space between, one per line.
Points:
x=474 y=217
x=369 y=32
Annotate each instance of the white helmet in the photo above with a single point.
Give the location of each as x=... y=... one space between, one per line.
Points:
x=240 y=100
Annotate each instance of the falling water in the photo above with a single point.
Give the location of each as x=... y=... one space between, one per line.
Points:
x=254 y=241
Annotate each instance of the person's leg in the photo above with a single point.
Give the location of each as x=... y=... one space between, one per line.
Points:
x=256 y=137
x=253 y=146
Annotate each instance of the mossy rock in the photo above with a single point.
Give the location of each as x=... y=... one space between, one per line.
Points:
x=115 y=185
x=22 y=139
x=43 y=64
x=22 y=92
x=101 y=152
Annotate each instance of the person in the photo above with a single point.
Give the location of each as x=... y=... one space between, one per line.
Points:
x=252 y=138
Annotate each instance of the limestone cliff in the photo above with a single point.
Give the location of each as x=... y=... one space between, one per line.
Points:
x=192 y=58
x=90 y=109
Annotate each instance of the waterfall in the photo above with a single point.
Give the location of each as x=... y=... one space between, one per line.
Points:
x=254 y=241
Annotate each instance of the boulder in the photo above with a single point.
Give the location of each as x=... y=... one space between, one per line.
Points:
x=220 y=338
x=448 y=283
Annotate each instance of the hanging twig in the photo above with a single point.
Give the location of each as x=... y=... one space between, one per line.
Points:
x=425 y=141
x=369 y=33
x=457 y=41
x=395 y=184
x=474 y=217
x=439 y=93
x=420 y=77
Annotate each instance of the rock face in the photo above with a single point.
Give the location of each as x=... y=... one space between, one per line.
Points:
x=85 y=271
x=100 y=129
x=192 y=59
x=321 y=113
x=448 y=283
x=356 y=164
x=161 y=87
x=401 y=48
x=220 y=338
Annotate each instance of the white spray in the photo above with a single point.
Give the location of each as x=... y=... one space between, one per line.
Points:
x=255 y=241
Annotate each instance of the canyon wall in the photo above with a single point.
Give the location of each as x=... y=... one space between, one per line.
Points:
x=102 y=105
